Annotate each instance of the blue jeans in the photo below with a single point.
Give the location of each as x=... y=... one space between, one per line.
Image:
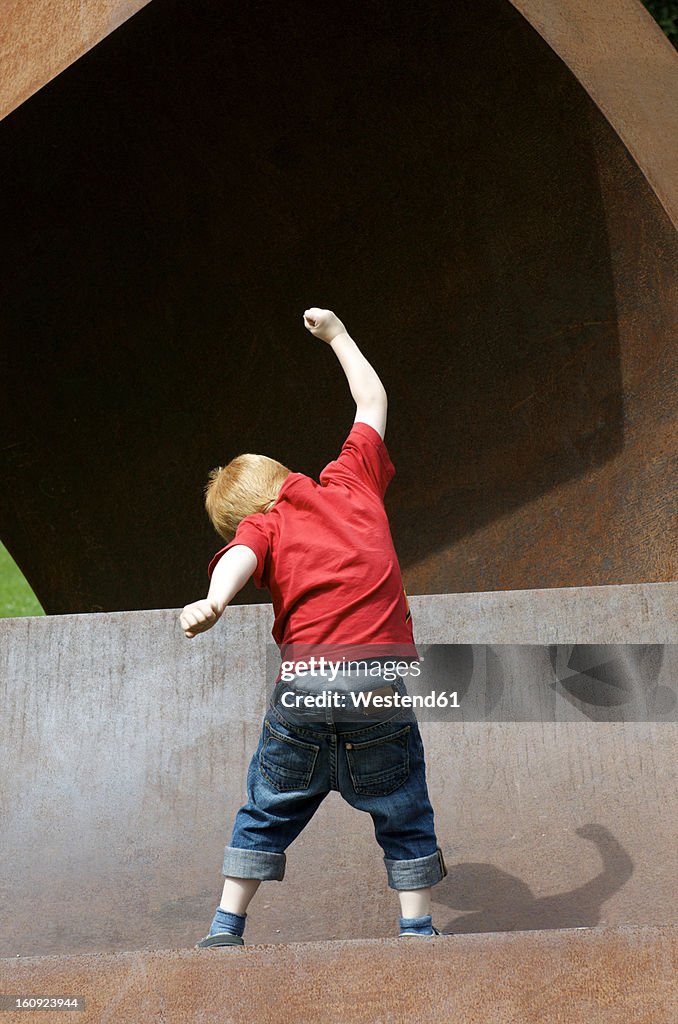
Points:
x=374 y=757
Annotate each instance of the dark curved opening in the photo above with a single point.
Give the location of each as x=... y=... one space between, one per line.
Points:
x=177 y=197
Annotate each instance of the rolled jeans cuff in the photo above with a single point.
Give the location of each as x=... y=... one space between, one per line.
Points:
x=418 y=873
x=260 y=864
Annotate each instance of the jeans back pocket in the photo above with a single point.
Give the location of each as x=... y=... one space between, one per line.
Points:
x=286 y=762
x=379 y=766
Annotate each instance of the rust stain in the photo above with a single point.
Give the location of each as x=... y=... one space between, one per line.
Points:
x=601 y=976
x=43 y=37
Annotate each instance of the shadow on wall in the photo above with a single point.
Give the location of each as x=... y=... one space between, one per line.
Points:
x=527 y=682
x=495 y=901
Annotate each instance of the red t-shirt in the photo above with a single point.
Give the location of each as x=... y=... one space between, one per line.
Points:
x=325 y=553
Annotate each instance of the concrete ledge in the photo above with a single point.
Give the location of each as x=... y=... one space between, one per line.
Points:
x=124 y=749
x=611 y=975
x=625 y=614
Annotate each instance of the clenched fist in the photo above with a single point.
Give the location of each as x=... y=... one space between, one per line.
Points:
x=198 y=617
x=323 y=324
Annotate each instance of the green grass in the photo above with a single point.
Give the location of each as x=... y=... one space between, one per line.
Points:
x=16 y=597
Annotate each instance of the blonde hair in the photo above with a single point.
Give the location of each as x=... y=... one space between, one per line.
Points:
x=248 y=484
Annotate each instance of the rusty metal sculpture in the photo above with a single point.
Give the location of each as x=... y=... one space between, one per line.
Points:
x=488 y=192
x=494 y=212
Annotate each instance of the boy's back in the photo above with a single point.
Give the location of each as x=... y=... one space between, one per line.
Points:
x=325 y=553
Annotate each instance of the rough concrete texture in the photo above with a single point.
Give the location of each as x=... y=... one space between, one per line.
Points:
x=636 y=613
x=600 y=976
x=124 y=750
x=41 y=38
x=491 y=235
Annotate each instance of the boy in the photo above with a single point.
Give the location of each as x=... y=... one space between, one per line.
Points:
x=325 y=553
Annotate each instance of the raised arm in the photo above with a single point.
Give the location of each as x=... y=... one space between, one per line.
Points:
x=230 y=575
x=367 y=390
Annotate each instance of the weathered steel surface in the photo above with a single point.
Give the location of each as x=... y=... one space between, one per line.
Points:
x=124 y=751
x=486 y=234
x=601 y=976
x=41 y=38
x=629 y=69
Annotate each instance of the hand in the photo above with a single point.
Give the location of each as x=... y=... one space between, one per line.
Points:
x=198 y=617
x=323 y=324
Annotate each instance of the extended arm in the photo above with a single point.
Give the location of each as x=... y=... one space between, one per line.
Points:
x=367 y=390
x=230 y=575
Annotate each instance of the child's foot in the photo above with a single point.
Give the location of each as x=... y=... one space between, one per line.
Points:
x=420 y=935
x=220 y=939
x=226 y=930
x=421 y=927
